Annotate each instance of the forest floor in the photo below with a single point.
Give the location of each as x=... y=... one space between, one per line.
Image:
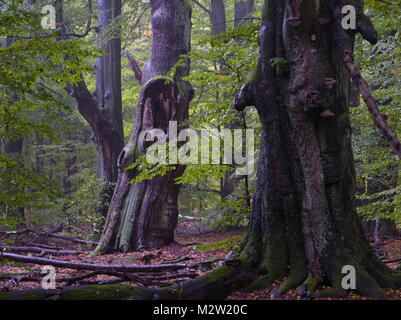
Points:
x=186 y=250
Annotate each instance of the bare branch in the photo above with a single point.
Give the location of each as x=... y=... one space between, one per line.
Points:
x=378 y=118
x=134 y=66
x=201 y=6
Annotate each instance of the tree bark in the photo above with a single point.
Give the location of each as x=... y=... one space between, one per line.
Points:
x=217 y=15
x=304 y=222
x=242 y=10
x=144 y=215
x=103 y=109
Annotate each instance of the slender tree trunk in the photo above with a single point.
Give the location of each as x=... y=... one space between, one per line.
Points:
x=103 y=109
x=217 y=15
x=108 y=90
x=144 y=215
x=381 y=228
x=242 y=10
x=13 y=150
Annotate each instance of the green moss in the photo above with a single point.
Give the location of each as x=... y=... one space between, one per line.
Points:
x=99 y=292
x=96 y=252
x=311 y=284
x=33 y=294
x=172 y=291
x=5 y=296
x=295 y=279
x=262 y=282
x=219 y=274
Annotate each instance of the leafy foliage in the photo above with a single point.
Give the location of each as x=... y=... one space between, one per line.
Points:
x=377 y=167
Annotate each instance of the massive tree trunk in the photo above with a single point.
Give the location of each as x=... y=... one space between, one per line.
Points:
x=144 y=215
x=304 y=222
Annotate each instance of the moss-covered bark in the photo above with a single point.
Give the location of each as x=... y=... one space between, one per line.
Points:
x=95 y=292
x=304 y=207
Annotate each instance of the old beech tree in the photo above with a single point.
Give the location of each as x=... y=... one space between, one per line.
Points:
x=144 y=215
x=304 y=223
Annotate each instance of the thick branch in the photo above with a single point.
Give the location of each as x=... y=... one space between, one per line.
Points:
x=201 y=6
x=92 y=266
x=60 y=252
x=378 y=118
x=48 y=234
x=134 y=66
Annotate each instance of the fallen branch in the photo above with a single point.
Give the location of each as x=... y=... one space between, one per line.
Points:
x=16 y=278
x=43 y=251
x=123 y=276
x=190 y=275
x=180 y=259
x=92 y=266
x=378 y=118
x=48 y=234
x=13 y=233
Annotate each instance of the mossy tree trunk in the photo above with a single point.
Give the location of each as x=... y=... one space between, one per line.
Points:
x=144 y=215
x=304 y=222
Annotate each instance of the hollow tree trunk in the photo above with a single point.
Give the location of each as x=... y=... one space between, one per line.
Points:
x=304 y=222
x=144 y=215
